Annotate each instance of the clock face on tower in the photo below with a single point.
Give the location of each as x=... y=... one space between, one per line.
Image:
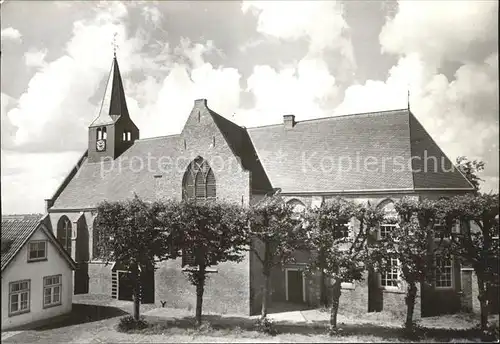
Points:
x=101 y=145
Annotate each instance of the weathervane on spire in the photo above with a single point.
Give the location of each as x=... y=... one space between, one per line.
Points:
x=114 y=44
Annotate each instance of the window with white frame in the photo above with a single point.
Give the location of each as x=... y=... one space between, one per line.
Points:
x=52 y=286
x=37 y=250
x=385 y=229
x=390 y=277
x=19 y=297
x=444 y=272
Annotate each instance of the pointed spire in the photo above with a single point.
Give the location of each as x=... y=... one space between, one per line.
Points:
x=114 y=104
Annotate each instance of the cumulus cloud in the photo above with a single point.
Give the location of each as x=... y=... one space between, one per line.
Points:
x=320 y=22
x=35 y=58
x=302 y=90
x=305 y=88
x=440 y=30
x=55 y=108
x=11 y=34
x=165 y=104
x=461 y=114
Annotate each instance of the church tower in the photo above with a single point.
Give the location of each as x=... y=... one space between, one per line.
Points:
x=112 y=132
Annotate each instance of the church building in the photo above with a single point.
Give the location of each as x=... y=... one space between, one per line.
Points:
x=375 y=157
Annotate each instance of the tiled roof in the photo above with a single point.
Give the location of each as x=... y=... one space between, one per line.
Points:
x=95 y=182
x=362 y=152
x=16 y=231
x=322 y=155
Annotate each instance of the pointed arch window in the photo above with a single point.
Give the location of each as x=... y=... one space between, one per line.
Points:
x=199 y=181
x=64 y=231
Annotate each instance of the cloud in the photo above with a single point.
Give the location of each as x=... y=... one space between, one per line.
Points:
x=440 y=30
x=11 y=34
x=55 y=108
x=26 y=181
x=165 y=104
x=152 y=15
x=320 y=22
x=35 y=58
x=461 y=114
x=303 y=90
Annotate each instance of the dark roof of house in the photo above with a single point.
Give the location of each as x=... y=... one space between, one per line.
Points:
x=314 y=156
x=16 y=231
x=242 y=146
x=361 y=152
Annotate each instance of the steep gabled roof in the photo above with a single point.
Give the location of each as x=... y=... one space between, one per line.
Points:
x=113 y=103
x=242 y=146
x=18 y=229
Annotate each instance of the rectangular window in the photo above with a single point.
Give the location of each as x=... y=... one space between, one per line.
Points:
x=444 y=271
x=19 y=297
x=37 y=250
x=341 y=231
x=52 y=287
x=385 y=229
x=391 y=276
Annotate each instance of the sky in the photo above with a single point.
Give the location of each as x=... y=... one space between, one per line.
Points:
x=254 y=61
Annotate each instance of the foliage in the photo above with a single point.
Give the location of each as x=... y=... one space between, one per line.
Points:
x=411 y=242
x=265 y=325
x=273 y=235
x=133 y=237
x=470 y=170
x=128 y=323
x=339 y=250
x=476 y=243
x=211 y=232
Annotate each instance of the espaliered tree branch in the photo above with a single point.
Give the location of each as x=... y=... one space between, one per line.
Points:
x=340 y=250
x=273 y=235
x=477 y=242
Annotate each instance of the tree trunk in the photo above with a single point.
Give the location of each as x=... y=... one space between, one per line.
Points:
x=411 y=295
x=265 y=293
x=335 y=304
x=200 y=288
x=323 y=289
x=482 y=301
x=136 y=291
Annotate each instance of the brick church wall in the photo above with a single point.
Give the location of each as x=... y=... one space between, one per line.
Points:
x=226 y=290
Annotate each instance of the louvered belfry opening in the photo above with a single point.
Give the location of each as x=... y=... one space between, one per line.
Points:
x=199 y=181
x=198 y=184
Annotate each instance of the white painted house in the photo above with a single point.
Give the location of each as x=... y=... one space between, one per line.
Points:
x=37 y=273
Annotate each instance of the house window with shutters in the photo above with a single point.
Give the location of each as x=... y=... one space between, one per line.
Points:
x=64 y=232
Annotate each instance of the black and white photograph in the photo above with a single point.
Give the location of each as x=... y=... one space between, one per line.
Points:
x=314 y=171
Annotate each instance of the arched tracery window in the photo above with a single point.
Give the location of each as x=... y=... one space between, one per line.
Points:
x=199 y=181
x=64 y=232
